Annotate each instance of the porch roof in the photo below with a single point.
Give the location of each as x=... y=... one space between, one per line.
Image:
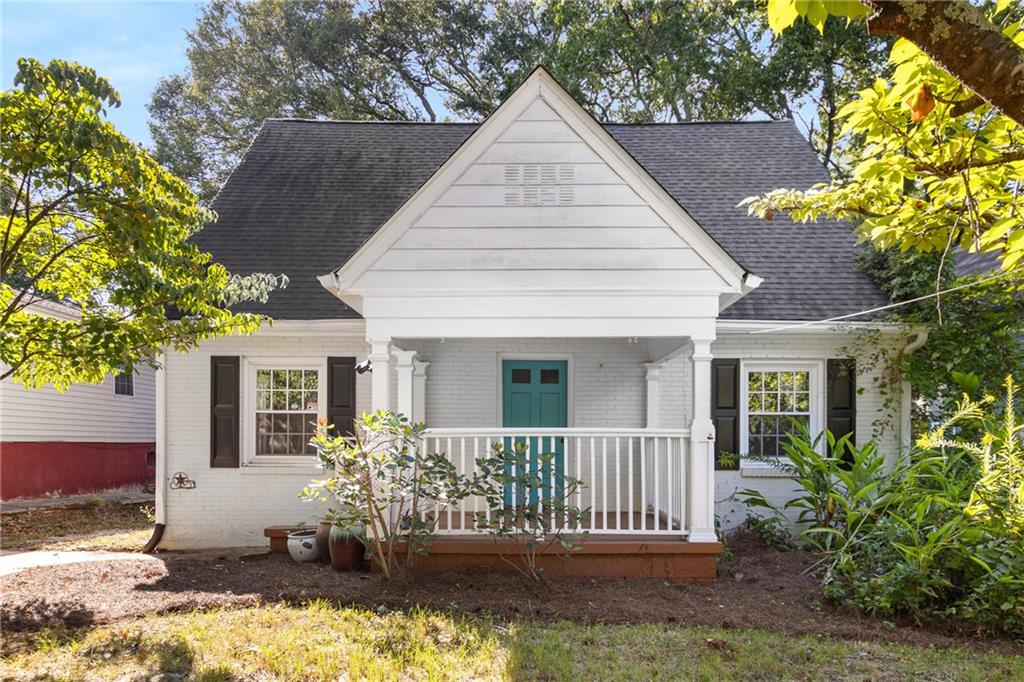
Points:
x=308 y=194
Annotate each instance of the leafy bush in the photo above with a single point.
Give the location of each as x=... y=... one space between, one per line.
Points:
x=530 y=504
x=385 y=483
x=939 y=534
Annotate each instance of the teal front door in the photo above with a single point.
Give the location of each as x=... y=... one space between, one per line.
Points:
x=534 y=396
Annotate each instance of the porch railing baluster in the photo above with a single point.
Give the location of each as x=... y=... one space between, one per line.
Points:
x=656 y=465
x=630 y=481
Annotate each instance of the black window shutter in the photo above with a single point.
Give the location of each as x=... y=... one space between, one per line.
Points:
x=725 y=410
x=341 y=394
x=841 y=416
x=224 y=411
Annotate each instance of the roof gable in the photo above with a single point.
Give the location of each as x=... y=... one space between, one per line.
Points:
x=539 y=180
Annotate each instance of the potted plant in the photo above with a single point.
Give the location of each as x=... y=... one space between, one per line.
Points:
x=323 y=534
x=302 y=545
x=346 y=548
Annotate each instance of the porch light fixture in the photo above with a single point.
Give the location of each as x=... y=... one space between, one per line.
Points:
x=364 y=367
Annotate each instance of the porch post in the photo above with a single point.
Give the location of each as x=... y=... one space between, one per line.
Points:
x=419 y=391
x=380 y=358
x=406 y=402
x=653 y=376
x=702 y=448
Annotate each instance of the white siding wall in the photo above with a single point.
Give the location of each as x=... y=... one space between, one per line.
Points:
x=231 y=507
x=85 y=413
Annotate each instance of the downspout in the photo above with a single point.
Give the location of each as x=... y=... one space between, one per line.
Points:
x=161 y=457
x=906 y=398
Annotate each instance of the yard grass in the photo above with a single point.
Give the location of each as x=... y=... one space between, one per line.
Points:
x=321 y=641
x=98 y=525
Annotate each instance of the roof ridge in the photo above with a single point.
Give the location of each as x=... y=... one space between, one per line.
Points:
x=371 y=122
x=637 y=124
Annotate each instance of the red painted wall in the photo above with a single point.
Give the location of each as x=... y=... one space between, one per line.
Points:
x=34 y=469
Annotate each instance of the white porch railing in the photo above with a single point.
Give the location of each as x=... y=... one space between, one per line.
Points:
x=633 y=481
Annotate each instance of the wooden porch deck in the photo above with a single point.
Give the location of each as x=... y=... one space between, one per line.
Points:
x=601 y=554
x=626 y=555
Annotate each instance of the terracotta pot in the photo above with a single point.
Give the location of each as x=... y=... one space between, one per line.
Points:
x=346 y=550
x=323 y=534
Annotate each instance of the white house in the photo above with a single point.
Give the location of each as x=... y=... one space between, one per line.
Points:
x=592 y=288
x=91 y=437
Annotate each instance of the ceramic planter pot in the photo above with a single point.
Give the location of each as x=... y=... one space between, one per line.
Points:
x=346 y=550
x=323 y=534
x=302 y=546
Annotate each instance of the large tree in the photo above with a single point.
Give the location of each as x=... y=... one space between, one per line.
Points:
x=91 y=221
x=415 y=59
x=935 y=168
x=954 y=33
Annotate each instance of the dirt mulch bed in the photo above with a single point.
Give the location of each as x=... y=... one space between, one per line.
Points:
x=759 y=588
x=28 y=528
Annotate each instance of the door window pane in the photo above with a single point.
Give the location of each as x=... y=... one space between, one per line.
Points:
x=520 y=376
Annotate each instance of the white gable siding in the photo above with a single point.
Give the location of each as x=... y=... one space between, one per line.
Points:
x=540 y=209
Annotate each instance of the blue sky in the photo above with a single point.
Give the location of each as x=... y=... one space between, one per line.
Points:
x=133 y=44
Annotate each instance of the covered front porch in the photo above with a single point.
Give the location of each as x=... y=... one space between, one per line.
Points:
x=626 y=417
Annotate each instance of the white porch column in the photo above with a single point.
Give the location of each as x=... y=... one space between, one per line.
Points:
x=702 y=448
x=653 y=377
x=419 y=391
x=380 y=359
x=406 y=401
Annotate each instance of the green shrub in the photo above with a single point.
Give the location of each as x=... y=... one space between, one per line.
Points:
x=940 y=534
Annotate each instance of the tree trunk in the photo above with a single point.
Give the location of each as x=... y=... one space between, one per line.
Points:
x=962 y=40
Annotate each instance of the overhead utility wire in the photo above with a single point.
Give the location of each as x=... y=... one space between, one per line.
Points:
x=881 y=308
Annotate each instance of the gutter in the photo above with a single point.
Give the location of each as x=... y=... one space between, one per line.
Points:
x=906 y=399
x=161 y=456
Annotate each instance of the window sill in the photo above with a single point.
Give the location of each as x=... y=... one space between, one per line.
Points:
x=762 y=471
x=282 y=469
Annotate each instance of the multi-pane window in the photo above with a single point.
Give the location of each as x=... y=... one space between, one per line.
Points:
x=778 y=402
x=124 y=384
x=287 y=406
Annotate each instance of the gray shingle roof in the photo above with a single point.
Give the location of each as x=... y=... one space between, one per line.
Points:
x=308 y=194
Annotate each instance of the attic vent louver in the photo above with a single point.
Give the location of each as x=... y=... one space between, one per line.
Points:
x=540 y=184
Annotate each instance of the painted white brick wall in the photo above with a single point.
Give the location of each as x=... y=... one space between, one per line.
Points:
x=761 y=347
x=607 y=377
x=231 y=507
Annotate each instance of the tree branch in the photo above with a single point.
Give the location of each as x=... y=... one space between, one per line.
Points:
x=962 y=40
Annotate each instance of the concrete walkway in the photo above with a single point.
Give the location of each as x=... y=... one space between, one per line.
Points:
x=12 y=561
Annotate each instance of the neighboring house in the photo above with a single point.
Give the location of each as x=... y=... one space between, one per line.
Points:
x=91 y=437
x=592 y=288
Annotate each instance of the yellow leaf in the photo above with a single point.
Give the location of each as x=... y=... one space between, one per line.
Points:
x=817 y=14
x=781 y=14
x=903 y=50
x=921 y=104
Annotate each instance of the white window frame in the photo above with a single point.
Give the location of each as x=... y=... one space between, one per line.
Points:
x=816 y=385
x=130 y=375
x=248 y=407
